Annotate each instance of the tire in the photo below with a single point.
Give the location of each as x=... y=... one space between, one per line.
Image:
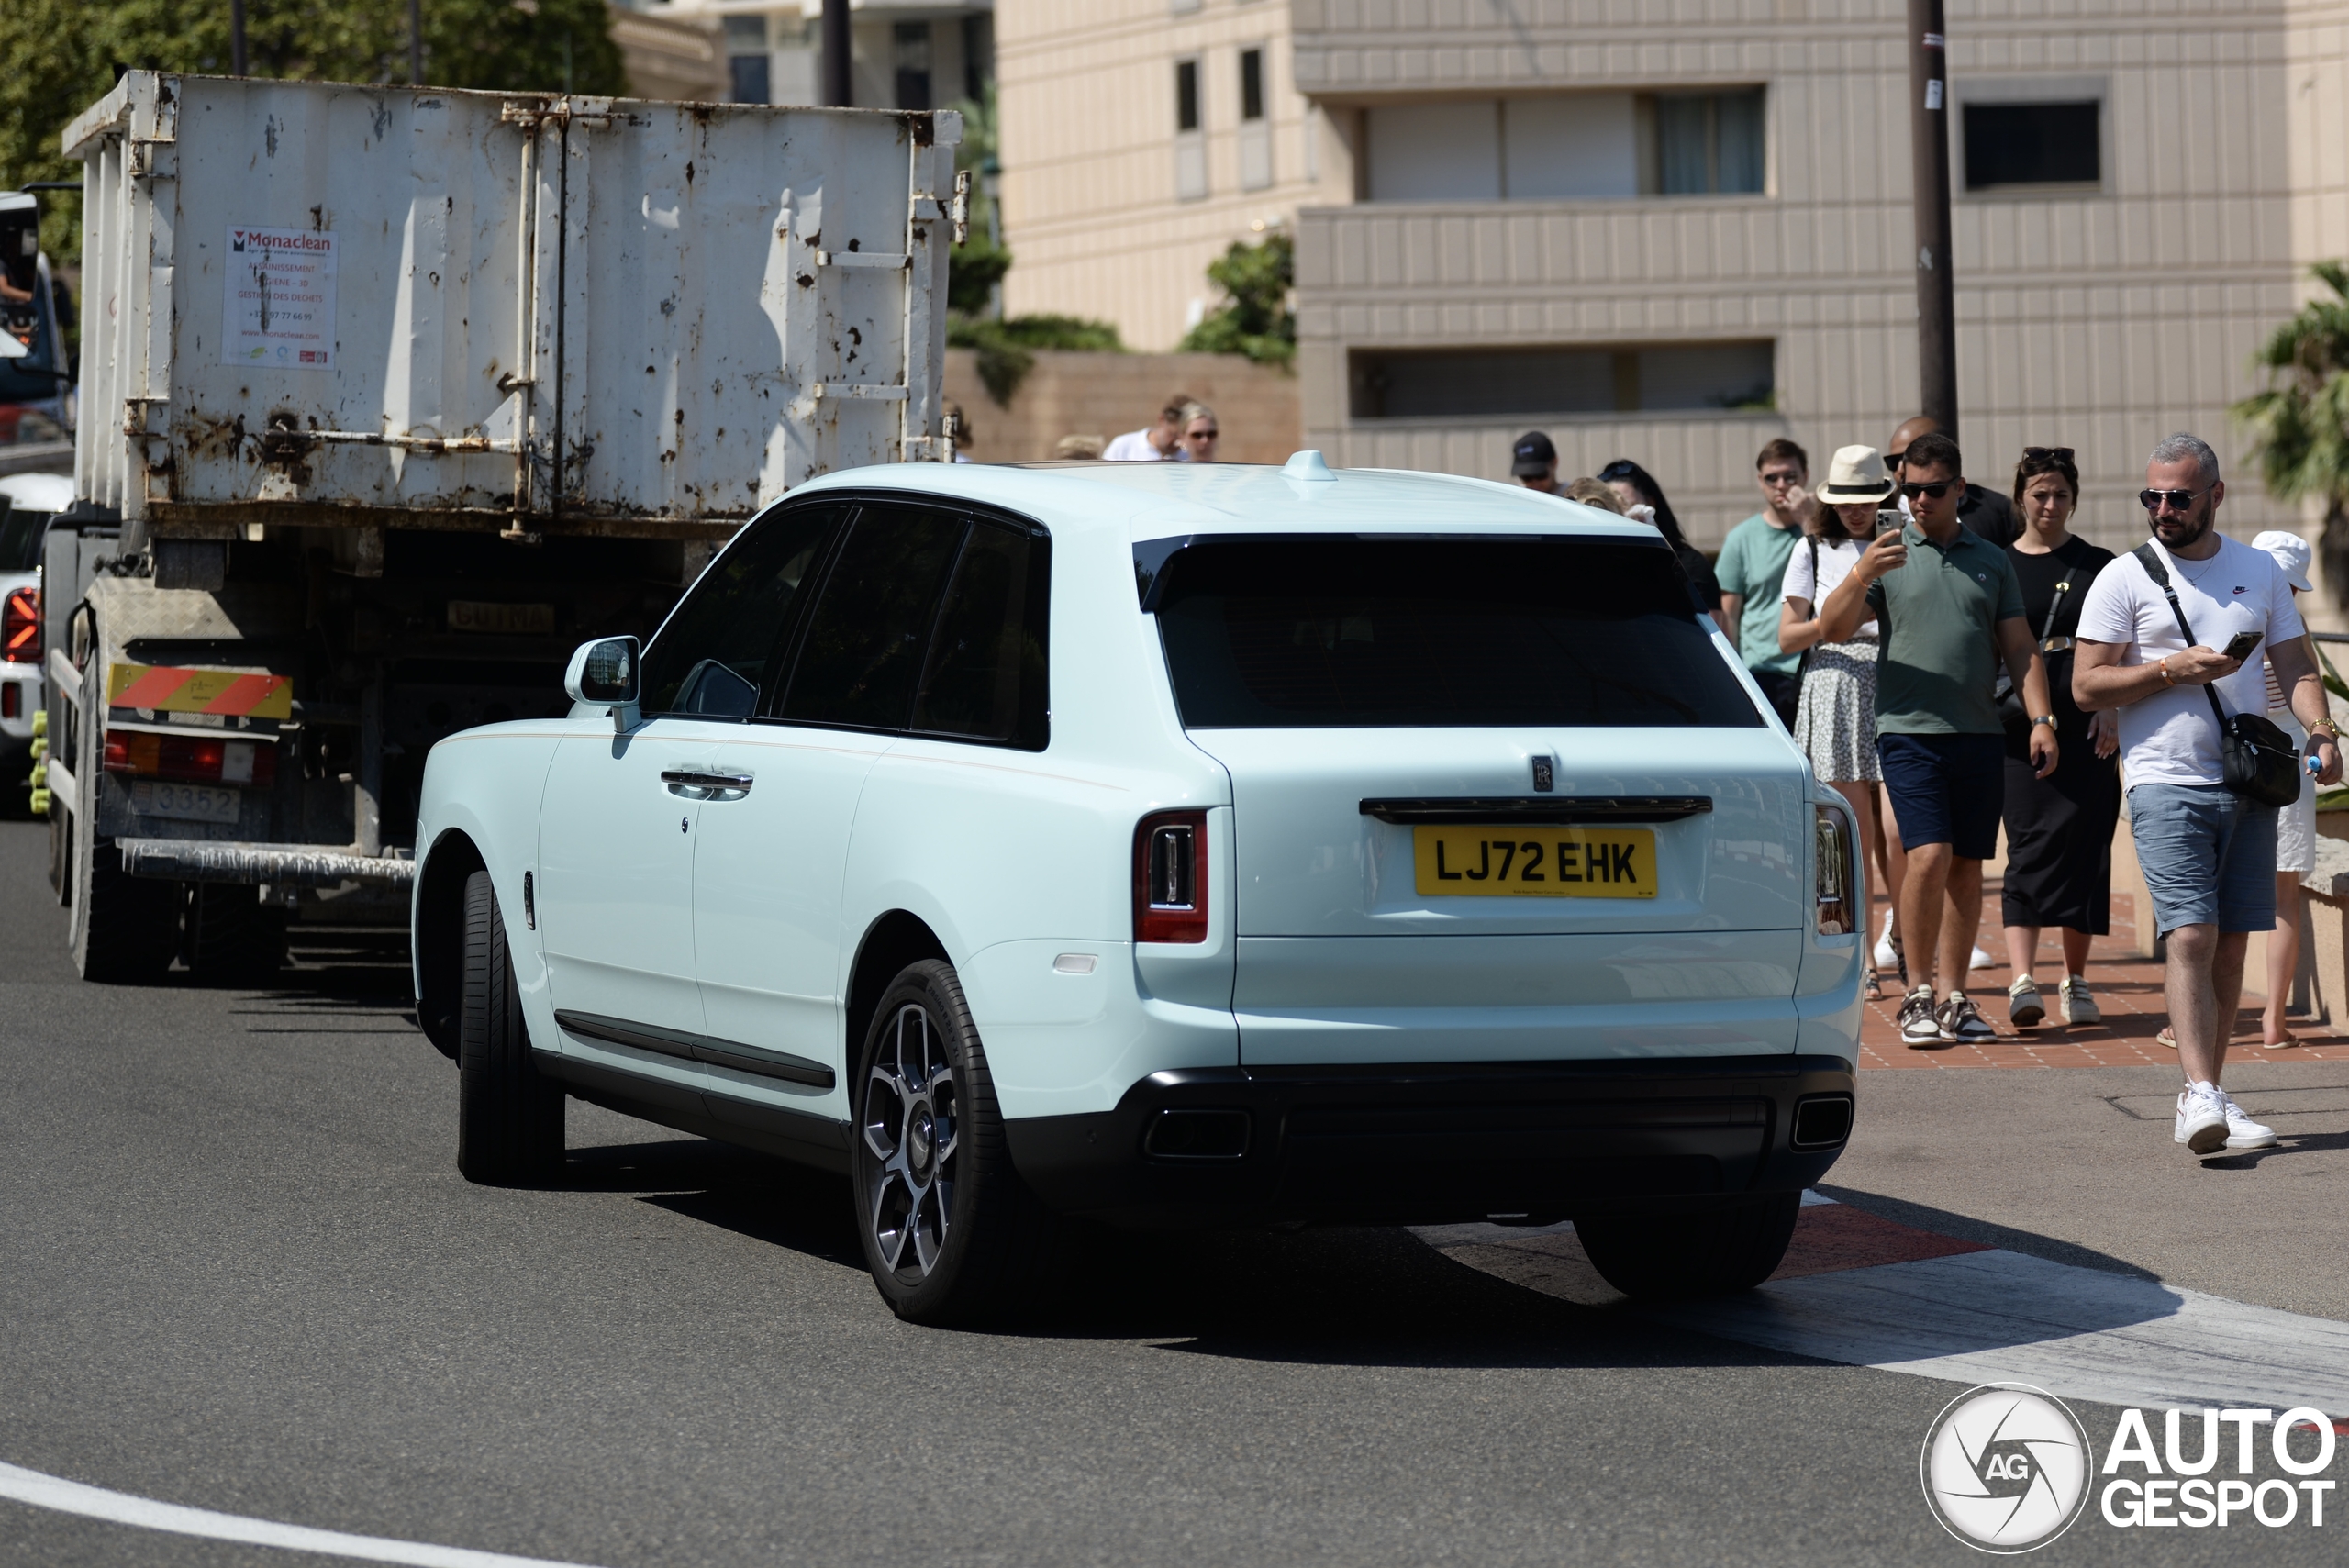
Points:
x=510 y=1117
x=1675 y=1256
x=61 y=853
x=125 y=929
x=950 y=1231
x=233 y=938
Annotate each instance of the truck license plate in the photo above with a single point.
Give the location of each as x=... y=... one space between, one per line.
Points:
x=1535 y=862
x=187 y=803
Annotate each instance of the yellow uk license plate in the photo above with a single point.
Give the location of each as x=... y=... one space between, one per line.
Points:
x=1535 y=862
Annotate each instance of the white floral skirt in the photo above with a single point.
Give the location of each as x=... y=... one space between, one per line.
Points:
x=1835 y=721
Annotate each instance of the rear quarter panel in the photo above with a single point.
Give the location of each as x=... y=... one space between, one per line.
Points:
x=1014 y=858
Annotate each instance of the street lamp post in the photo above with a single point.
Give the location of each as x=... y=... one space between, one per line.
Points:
x=1929 y=150
x=839 y=93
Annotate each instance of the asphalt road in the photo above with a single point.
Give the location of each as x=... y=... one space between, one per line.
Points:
x=239 y=1270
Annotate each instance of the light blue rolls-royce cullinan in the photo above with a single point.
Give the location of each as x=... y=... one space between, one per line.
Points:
x=1167 y=843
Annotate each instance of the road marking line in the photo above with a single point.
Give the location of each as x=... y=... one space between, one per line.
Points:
x=144 y=1513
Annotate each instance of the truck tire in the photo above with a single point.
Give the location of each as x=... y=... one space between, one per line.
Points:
x=950 y=1231
x=61 y=853
x=233 y=938
x=125 y=929
x=1677 y=1256
x=510 y=1117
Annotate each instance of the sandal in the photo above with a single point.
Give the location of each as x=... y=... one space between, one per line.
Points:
x=2165 y=1038
x=2290 y=1040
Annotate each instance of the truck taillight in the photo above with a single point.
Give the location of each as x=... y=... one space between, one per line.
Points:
x=1838 y=887
x=1171 y=877
x=193 y=759
x=20 y=627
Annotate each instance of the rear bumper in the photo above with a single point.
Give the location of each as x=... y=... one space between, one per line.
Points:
x=1442 y=1142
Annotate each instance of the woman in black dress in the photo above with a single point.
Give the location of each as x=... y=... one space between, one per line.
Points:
x=1634 y=486
x=2059 y=828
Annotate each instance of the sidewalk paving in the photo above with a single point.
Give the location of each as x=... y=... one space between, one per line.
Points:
x=2128 y=990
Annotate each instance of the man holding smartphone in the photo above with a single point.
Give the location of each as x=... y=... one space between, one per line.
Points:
x=1950 y=612
x=2208 y=855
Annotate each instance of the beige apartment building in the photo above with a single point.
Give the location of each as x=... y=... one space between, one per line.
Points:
x=904 y=54
x=1671 y=229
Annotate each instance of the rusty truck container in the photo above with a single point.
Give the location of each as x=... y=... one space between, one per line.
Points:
x=391 y=307
x=391 y=397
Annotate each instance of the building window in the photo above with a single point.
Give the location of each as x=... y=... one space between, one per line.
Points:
x=1434 y=384
x=747 y=65
x=2032 y=144
x=1708 y=143
x=1255 y=131
x=1566 y=147
x=909 y=45
x=1190 y=143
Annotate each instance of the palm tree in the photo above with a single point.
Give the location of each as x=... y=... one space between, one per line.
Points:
x=2300 y=424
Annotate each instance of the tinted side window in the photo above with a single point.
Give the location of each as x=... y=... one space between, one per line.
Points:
x=863 y=649
x=987 y=674
x=722 y=648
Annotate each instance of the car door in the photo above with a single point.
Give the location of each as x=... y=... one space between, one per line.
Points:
x=623 y=812
x=768 y=871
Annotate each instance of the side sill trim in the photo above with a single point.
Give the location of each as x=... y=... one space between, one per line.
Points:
x=688 y=1047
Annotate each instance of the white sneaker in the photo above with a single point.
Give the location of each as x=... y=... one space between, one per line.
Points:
x=1981 y=960
x=2079 y=1002
x=1884 y=957
x=2242 y=1131
x=2203 y=1119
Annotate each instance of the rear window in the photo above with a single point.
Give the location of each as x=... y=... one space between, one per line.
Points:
x=1418 y=633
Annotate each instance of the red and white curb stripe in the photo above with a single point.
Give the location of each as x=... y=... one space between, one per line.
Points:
x=1868 y=1292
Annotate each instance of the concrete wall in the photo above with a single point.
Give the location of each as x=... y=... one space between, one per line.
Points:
x=1108 y=395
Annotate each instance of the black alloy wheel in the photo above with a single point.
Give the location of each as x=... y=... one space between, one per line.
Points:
x=950 y=1231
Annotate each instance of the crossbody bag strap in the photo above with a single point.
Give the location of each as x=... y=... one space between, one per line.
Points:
x=2150 y=559
x=2047 y=628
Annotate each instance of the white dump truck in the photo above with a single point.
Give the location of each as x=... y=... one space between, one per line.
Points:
x=393 y=396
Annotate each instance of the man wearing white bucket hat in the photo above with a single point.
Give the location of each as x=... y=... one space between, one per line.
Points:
x=2295 y=824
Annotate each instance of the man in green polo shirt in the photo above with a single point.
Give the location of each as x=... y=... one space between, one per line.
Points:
x=1950 y=612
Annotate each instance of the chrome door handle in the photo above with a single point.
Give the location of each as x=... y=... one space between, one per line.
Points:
x=703 y=784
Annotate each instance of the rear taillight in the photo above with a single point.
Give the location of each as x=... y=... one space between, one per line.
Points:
x=195 y=759
x=20 y=627
x=1838 y=917
x=1171 y=877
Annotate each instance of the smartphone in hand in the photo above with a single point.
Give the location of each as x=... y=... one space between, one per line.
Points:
x=2239 y=646
x=1888 y=519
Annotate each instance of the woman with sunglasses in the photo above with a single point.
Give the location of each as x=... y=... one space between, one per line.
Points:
x=1634 y=486
x=1835 y=715
x=2059 y=828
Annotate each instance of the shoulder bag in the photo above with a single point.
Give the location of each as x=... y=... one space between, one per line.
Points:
x=2257 y=760
x=2008 y=698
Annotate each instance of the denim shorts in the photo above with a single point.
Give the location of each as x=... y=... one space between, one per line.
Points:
x=1946 y=789
x=2208 y=856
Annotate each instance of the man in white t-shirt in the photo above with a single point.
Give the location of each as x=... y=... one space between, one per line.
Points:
x=1162 y=442
x=2208 y=855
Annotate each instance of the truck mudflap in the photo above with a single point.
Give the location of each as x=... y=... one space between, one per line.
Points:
x=198 y=860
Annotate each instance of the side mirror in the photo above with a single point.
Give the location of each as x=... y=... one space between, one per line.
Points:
x=606 y=673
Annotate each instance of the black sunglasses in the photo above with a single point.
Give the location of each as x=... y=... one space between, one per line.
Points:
x=1936 y=491
x=2179 y=500
x=2047 y=455
x=1621 y=468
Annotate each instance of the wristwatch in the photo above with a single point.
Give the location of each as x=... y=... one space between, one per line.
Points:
x=2047 y=719
x=2327 y=729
